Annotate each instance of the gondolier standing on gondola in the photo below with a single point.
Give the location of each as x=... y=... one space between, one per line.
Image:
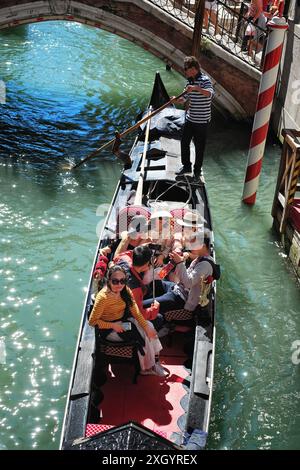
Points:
x=199 y=94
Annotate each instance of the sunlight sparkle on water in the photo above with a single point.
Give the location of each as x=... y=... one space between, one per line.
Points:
x=33 y=268
x=17 y=334
x=5 y=240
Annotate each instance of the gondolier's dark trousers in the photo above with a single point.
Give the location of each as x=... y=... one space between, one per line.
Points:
x=198 y=133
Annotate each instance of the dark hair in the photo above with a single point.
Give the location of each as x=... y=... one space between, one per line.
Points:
x=141 y=255
x=191 y=61
x=125 y=294
x=206 y=242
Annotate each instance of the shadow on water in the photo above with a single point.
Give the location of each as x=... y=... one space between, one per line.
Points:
x=19 y=32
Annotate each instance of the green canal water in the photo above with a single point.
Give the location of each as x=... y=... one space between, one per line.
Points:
x=68 y=88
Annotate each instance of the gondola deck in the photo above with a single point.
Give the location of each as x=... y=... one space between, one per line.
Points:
x=156 y=402
x=156 y=412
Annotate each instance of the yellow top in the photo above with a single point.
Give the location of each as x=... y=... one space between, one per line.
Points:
x=108 y=307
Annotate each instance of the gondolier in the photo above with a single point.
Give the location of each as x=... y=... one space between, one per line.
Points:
x=199 y=92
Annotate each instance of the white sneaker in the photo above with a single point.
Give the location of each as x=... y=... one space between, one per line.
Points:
x=164 y=331
x=157 y=369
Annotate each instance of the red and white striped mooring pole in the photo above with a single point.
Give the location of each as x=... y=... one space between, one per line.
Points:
x=278 y=26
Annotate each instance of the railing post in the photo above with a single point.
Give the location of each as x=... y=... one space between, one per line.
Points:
x=198 y=28
x=242 y=12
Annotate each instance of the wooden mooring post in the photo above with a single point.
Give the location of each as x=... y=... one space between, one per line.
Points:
x=197 y=34
x=286 y=203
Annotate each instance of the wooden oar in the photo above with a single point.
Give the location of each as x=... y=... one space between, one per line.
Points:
x=127 y=131
x=139 y=189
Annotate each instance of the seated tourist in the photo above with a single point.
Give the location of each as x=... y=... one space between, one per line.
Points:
x=184 y=241
x=187 y=292
x=114 y=306
x=191 y=278
x=160 y=232
x=136 y=235
x=99 y=274
x=136 y=263
x=101 y=267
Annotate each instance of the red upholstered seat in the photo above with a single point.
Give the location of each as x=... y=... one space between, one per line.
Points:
x=177 y=214
x=126 y=215
x=294 y=214
x=92 y=429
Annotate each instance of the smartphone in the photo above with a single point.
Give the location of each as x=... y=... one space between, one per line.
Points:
x=126 y=325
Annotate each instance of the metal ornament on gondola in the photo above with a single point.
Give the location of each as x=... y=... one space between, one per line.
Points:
x=205 y=290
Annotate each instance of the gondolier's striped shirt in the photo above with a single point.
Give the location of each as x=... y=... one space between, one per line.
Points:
x=199 y=110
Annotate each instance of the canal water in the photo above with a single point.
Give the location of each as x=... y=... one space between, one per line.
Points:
x=68 y=88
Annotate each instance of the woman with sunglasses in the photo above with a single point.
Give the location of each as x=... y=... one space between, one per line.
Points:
x=109 y=309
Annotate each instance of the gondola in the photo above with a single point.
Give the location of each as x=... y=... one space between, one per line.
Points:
x=105 y=409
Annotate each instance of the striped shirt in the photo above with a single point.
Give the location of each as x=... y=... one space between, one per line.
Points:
x=199 y=110
x=110 y=308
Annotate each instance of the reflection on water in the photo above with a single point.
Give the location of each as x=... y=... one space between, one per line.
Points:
x=68 y=88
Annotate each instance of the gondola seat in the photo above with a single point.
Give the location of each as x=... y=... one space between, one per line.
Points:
x=189 y=317
x=183 y=320
x=116 y=352
x=176 y=319
x=178 y=315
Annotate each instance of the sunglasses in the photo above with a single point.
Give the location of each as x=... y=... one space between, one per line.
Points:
x=115 y=282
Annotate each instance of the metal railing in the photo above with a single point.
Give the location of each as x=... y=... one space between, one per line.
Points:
x=181 y=10
x=225 y=24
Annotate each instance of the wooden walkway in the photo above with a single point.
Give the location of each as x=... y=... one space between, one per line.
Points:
x=286 y=204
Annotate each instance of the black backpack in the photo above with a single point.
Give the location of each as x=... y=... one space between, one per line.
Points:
x=216 y=267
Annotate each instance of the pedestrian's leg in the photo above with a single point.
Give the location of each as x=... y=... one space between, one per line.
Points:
x=245 y=41
x=167 y=286
x=205 y=18
x=199 y=141
x=168 y=301
x=160 y=289
x=185 y=144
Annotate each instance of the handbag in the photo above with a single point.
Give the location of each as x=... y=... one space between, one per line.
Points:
x=129 y=336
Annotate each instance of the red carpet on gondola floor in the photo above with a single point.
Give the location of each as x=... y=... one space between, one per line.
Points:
x=154 y=401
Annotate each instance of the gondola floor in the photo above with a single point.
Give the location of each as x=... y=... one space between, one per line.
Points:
x=156 y=402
